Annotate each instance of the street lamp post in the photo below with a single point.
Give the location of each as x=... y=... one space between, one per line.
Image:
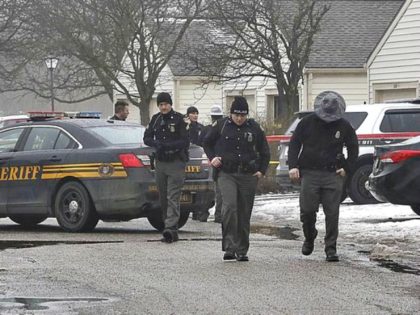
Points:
x=51 y=63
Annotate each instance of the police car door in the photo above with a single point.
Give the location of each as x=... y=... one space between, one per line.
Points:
x=8 y=140
x=29 y=189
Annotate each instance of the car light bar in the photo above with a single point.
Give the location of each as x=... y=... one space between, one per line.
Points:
x=399 y=156
x=45 y=115
x=94 y=115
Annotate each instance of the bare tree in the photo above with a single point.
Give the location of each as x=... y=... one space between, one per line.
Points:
x=103 y=46
x=10 y=25
x=269 y=39
x=127 y=43
x=22 y=58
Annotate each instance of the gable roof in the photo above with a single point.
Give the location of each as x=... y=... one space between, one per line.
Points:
x=350 y=32
x=194 y=40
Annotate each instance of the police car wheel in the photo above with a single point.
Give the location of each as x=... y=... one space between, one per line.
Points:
x=416 y=208
x=357 y=185
x=29 y=220
x=74 y=209
x=156 y=220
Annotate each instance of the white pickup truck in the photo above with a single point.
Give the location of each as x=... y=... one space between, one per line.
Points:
x=375 y=124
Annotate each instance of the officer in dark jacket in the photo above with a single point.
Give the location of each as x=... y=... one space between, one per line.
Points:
x=167 y=133
x=121 y=111
x=316 y=158
x=194 y=127
x=238 y=148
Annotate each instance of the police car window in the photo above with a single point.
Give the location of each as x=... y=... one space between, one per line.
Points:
x=9 y=138
x=64 y=142
x=355 y=118
x=401 y=121
x=119 y=134
x=41 y=138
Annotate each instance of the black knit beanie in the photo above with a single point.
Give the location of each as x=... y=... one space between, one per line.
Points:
x=239 y=106
x=164 y=97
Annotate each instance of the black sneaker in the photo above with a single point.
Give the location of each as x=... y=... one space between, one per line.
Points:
x=332 y=257
x=229 y=256
x=167 y=236
x=242 y=258
x=308 y=245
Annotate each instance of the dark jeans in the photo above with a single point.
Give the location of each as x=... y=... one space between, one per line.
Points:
x=321 y=187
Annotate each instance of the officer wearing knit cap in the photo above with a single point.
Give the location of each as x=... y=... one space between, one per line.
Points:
x=167 y=133
x=316 y=160
x=238 y=148
x=194 y=127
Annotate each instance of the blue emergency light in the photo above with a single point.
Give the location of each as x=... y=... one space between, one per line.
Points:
x=96 y=115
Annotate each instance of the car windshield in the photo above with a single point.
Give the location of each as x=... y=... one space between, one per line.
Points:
x=355 y=118
x=120 y=135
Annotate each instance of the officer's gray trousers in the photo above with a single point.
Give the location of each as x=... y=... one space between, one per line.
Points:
x=238 y=192
x=170 y=177
x=321 y=187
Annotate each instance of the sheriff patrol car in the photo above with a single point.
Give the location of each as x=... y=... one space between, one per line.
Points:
x=84 y=170
x=375 y=124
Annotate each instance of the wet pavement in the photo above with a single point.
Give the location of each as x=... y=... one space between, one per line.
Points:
x=123 y=268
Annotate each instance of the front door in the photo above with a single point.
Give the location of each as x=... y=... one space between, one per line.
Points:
x=8 y=141
x=29 y=190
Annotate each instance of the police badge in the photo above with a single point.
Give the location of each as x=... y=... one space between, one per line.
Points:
x=172 y=127
x=337 y=134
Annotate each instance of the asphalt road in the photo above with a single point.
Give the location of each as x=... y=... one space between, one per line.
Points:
x=123 y=268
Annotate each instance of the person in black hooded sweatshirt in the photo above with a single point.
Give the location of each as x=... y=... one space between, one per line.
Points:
x=316 y=159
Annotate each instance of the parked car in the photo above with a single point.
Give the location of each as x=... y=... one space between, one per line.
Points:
x=12 y=119
x=375 y=124
x=84 y=170
x=396 y=173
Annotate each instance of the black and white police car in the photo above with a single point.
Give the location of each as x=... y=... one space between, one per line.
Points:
x=84 y=170
x=375 y=124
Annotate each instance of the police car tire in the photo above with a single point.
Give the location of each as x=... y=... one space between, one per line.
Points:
x=156 y=220
x=356 y=187
x=416 y=208
x=77 y=192
x=29 y=220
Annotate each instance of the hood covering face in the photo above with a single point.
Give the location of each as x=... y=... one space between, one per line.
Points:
x=329 y=106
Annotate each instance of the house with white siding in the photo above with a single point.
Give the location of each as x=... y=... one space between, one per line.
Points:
x=394 y=67
x=349 y=33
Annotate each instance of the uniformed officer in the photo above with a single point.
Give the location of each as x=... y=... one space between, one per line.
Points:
x=316 y=158
x=121 y=110
x=238 y=148
x=167 y=133
x=194 y=127
x=216 y=113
